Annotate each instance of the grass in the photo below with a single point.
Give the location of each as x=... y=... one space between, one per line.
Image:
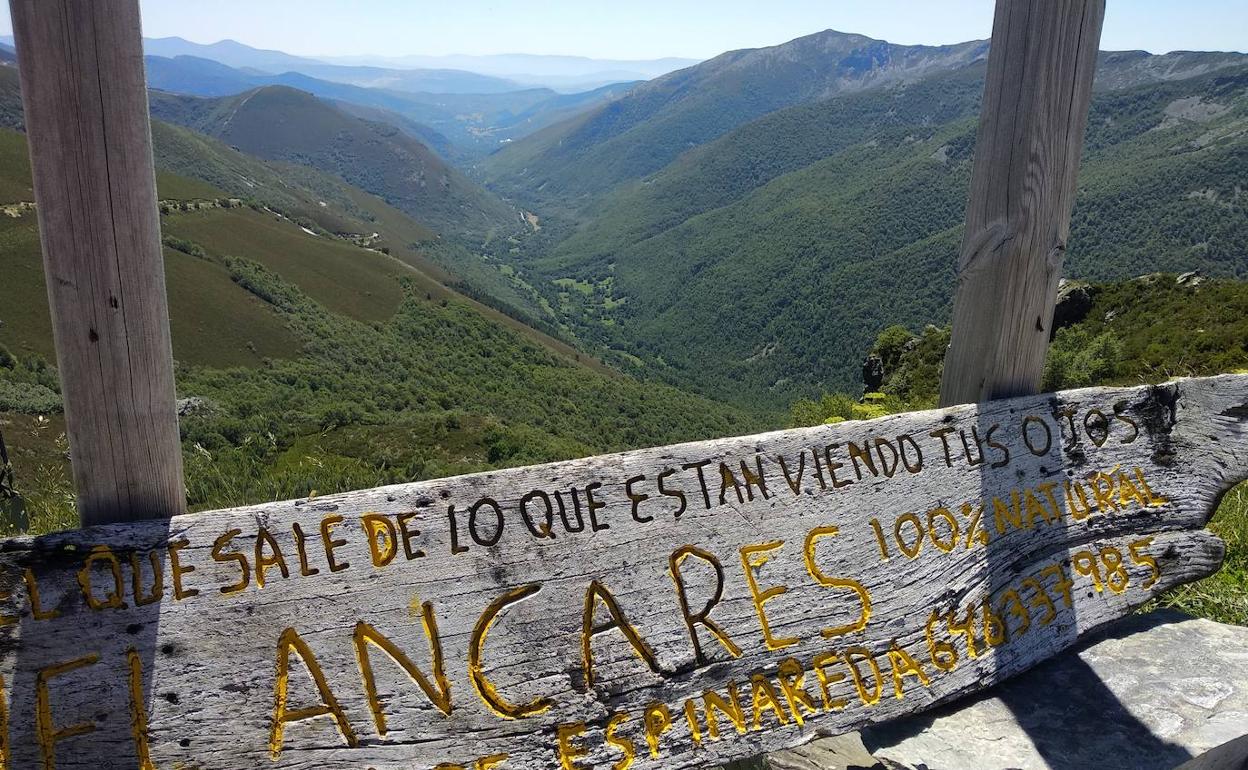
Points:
x=15 y=182
x=1222 y=596
x=344 y=278
x=25 y=325
x=213 y=320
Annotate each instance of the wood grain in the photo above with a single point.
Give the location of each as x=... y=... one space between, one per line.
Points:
x=194 y=672
x=85 y=102
x=1031 y=128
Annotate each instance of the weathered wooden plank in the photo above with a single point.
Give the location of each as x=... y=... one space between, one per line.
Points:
x=1031 y=128
x=769 y=573
x=85 y=102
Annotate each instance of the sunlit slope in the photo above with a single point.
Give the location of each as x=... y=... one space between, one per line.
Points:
x=213 y=321
x=284 y=124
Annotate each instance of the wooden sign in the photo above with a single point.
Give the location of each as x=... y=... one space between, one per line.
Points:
x=672 y=607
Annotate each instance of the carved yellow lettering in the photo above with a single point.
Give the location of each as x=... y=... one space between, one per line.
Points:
x=729 y=707
x=138 y=712
x=327 y=539
x=864 y=598
x=32 y=592
x=1103 y=492
x=1128 y=491
x=157 y=592
x=791 y=675
x=826 y=680
x=221 y=555
x=569 y=753
x=438 y=692
x=1005 y=515
x=112 y=600
x=1035 y=510
x=177 y=569
x=597 y=594
x=704 y=617
x=903 y=665
x=274 y=557
x=382 y=537
x=627 y=749
x=1079 y=509
x=476 y=674
x=290 y=642
x=869 y=697
x=753 y=557
x=46 y=733
x=691 y=717
x=763 y=698
x=658 y=720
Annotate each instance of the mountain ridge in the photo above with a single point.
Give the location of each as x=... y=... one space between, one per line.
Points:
x=654 y=123
x=285 y=124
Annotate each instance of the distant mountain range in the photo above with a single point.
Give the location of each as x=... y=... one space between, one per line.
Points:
x=565 y=73
x=431 y=74
x=460 y=126
x=260 y=61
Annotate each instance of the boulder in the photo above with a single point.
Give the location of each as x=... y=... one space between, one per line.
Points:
x=1074 y=302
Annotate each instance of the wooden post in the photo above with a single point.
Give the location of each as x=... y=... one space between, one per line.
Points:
x=1031 y=131
x=85 y=99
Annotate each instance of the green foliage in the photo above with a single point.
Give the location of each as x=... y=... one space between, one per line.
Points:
x=892 y=344
x=296 y=425
x=1079 y=358
x=185 y=246
x=1146 y=329
x=914 y=377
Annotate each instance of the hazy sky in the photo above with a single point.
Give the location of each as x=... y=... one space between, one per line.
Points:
x=645 y=28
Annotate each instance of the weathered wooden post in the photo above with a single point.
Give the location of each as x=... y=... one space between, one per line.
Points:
x=85 y=99
x=1031 y=131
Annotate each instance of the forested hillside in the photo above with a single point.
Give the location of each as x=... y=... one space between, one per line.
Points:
x=757 y=266
x=568 y=164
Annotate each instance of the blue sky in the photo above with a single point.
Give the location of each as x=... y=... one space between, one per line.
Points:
x=646 y=28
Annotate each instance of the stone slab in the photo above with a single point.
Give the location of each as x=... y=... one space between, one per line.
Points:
x=1158 y=691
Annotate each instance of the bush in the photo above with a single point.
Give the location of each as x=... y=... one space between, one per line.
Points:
x=1078 y=359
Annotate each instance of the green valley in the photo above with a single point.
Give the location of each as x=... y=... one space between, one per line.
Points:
x=757 y=267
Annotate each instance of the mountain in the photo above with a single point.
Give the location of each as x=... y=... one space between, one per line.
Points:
x=473 y=124
x=229 y=52
x=285 y=124
x=656 y=121
x=756 y=265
